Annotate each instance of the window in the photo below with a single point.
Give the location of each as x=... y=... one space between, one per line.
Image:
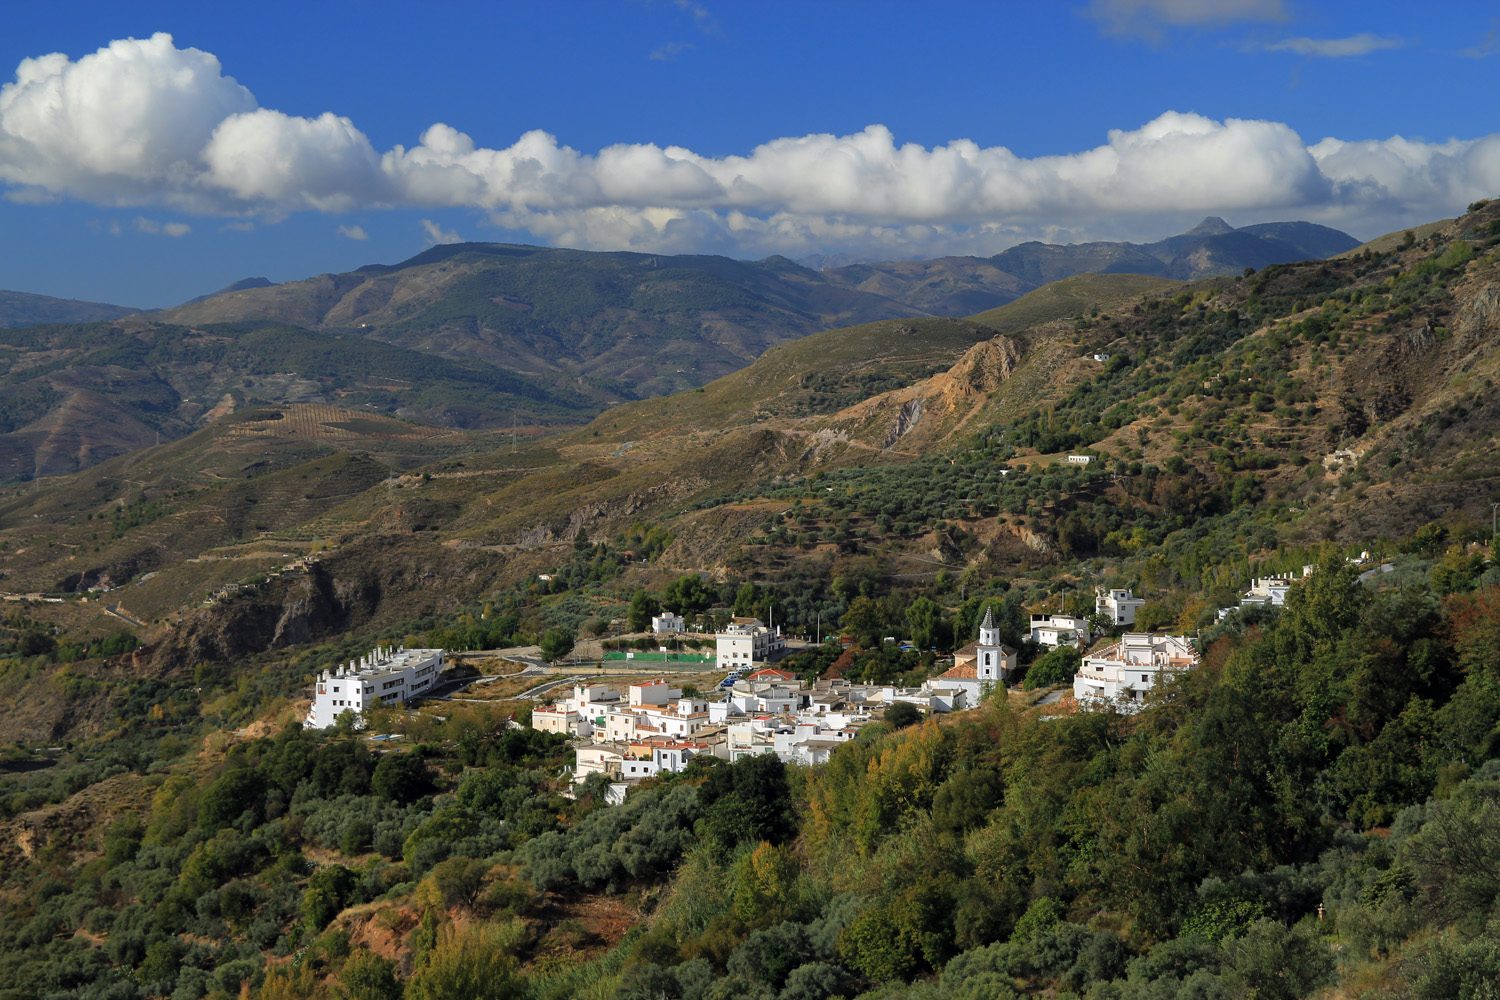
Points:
x=1145 y=679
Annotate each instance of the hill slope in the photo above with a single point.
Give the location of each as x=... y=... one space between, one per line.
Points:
x=72 y=396
x=26 y=309
x=633 y=325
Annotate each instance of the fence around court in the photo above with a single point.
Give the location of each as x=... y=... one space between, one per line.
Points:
x=660 y=657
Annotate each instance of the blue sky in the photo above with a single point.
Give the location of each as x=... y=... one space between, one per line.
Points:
x=138 y=172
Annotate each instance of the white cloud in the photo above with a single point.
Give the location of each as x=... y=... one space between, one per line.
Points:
x=353 y=232
x=124 y=125
x=154 y=228
x=1334 y=48
x=197 y=142
x=437 y=234
x=702 y=19
x=670 y=51
x=1487 y=46
x=1148 y=17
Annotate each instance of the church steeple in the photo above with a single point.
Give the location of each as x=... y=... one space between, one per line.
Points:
x=990 y=661
x=989 y=634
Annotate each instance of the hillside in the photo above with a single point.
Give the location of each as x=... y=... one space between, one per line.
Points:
x=1327 y=400
x=26 y=309
x=633 y=325
x=75 y=395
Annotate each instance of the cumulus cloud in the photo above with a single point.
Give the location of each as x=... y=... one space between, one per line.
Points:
x=124 y=125
x=437 y=234
x=1334 y=48
x=353 y=232
x=197 y=141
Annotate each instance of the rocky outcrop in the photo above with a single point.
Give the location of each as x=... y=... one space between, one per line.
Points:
x=985 y=366
x=383 y=578
x=911 y=413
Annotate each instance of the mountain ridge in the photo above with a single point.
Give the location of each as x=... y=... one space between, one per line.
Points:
x=21 y=309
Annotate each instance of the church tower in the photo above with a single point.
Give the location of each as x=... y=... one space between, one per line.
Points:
x=990 y=663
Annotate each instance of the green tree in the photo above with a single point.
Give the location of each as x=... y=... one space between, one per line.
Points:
x=864 y=621
x=401 y=778
x=458 y=880
x=924 y=621
x=471 y=963
x=556 y=644
x=328 y=892
x=964 y=800
x=643 y=607
x=747 y=802
x=687 y=594
x=367 y=976
x=902 y=714
x=1272 y=962
x=1055 y=667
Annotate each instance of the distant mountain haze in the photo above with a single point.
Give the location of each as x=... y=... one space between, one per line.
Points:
x=26 y=309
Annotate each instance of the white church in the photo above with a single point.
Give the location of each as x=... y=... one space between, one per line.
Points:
x=984 y=664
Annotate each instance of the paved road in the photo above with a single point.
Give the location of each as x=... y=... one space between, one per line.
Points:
x=114 y=609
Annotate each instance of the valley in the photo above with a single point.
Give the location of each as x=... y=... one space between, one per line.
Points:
x=854 y=469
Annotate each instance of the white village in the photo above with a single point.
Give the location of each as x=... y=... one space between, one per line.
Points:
x=635 y=730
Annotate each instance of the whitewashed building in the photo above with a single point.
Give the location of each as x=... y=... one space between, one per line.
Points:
x=746 y=641
x=559 y=719
x=1124 y=673
x=1120 y=605
x=668 y=623
x=385 y=677
x=1271 y=590
x=1059 y=630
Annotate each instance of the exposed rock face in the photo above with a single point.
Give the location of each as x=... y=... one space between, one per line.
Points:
x=389 y=576
x=1478 y=319
x=911 y=412
x=984 y=366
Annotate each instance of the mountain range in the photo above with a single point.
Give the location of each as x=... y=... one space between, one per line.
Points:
x=490 y=336
x=1340 y=399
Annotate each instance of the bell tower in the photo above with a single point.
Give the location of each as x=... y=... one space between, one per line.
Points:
x=990 y=661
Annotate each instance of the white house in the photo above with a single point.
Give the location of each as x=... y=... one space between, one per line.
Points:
x=559 y=719
x=596 y=758
x=656 y=692
x=1059 y=630
x=668 y=623
x=1270 y=590
x=386 y=677
x=1079 y=459
x=1120 y=605
x=746 y=641
x=1123 y=673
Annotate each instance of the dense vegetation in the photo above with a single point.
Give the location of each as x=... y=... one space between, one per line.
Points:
x=1344 y=753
